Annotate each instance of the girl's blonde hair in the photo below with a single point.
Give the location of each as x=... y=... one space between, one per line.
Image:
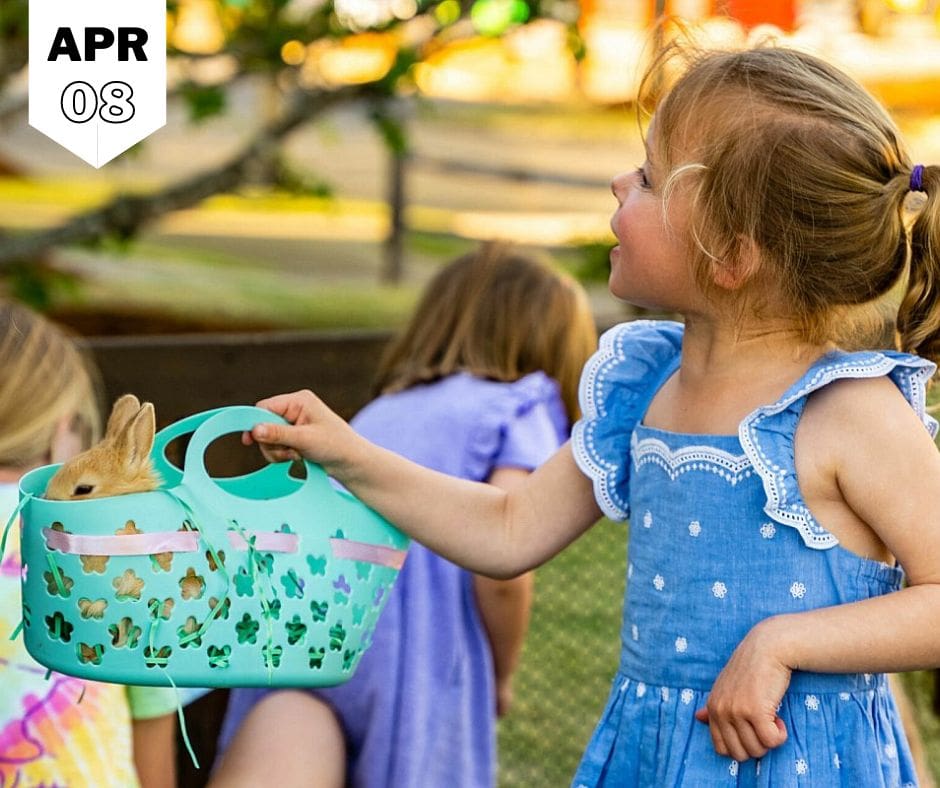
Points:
x=45 y=379
x=782 y=151
x=496 y=313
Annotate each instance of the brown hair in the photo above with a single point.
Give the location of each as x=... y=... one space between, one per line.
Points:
x=496 y=313
x=781 y=150
x=45 y=379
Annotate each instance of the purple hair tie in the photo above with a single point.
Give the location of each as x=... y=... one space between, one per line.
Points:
x=917 y=178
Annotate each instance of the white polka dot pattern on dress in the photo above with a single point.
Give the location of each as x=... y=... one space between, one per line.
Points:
x=664 y=694
x=802 y=767
x=658 y=583
x=682 y=645
x=640 y=689
x=844 y=696
x=629 y=570
x=635 y=632
x=835 y=760
x=797 y=590
x=719 y=589
x=695 y=528
x=812 y=703
x=647 y=519
x=891 y=751
x=767 y=530
x=687 y=696
x=733 y=768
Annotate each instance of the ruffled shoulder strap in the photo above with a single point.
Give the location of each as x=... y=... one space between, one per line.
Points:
x=767 y=434
x=617 y=384
x=506 y=404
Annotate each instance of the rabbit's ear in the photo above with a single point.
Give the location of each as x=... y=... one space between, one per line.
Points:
x=124 y=409
x=136 y=439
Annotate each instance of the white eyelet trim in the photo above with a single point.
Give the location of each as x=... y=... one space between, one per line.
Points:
x=601 y=471
x=790 y=509
x=732 y=468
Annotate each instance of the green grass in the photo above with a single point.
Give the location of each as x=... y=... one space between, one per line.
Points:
x=569 y=660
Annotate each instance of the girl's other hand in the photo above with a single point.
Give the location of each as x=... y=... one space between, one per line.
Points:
x=741 y=712
x=315 y=432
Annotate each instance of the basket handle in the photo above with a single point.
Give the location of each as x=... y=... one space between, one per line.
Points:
x=170 y=473
x=241 y=418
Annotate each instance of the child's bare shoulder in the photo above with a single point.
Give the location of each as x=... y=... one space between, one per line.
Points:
x=853 y=407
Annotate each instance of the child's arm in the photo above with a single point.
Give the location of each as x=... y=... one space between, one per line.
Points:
x=888 y=473
x=504 y=607
x=476 y=525
x=155 y=751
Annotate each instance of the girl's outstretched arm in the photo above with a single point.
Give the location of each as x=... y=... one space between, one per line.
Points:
x=485 y=529
x=886 y=470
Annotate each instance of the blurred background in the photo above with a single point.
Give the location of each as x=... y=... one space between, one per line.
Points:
x=319 y=162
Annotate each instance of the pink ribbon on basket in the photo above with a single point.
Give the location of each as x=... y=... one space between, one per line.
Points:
x=159 y=542
x=188 y=542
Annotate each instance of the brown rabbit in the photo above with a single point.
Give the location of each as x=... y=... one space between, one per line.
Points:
x=118 y=464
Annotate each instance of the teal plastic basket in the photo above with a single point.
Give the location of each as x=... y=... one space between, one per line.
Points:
x=257 y=580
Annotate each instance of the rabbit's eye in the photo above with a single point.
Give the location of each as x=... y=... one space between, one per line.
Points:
x=83 y=489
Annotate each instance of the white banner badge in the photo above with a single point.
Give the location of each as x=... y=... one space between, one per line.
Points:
x=97 y=73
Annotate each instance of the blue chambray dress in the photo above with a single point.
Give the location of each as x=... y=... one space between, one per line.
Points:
x=720 y=539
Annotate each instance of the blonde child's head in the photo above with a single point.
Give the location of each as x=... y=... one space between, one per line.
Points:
x=796 y=181
x=46 y=382
x=497 y=313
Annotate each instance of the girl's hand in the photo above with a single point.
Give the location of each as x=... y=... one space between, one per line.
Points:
x=315 y=432
x=741 y=712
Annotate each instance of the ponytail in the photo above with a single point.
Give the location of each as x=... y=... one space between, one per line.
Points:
x=919 y=313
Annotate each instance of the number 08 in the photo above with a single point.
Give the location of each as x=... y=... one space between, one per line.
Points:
x=80 y=102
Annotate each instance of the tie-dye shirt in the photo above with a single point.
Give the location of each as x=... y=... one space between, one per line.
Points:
x=61 y=731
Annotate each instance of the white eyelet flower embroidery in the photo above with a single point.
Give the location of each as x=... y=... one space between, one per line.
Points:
x=640 y=689
x=635 y=631
x=767 y=530
x=797 y=590
x=835 y=760
x=733 y=768
x=687 y=695
x=664 y=694
x=658 y=583
x=695 y=528
x=891 y=751
x=801 y=766
x=629 y=570
x=647 y=519
x=719 y=589
x=844 y=696
x=868 y=677
x=812 y=703
x=757 y=768
x=682 y=644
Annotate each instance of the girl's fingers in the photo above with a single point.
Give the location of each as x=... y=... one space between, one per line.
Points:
x=772 y=733
x=718 y=740
x=753 y=747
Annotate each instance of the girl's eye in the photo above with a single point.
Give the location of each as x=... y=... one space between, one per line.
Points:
x=641 y=178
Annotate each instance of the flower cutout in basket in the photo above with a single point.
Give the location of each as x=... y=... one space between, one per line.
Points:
x=128 y=586
x=124 y=634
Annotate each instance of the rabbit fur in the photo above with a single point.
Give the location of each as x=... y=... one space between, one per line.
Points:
x=118 y=464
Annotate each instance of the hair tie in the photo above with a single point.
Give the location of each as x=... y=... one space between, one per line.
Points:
x=917 y=178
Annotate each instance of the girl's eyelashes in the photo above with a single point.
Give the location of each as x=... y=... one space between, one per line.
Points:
x=642 y=179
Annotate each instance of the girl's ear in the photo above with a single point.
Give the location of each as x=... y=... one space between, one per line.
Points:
x=124 y=409
x=736 y=271
x=66 y=441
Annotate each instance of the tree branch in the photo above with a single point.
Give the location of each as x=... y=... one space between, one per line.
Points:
x=126 y=214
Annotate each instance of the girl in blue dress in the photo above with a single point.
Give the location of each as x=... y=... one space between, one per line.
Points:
x=776 y=481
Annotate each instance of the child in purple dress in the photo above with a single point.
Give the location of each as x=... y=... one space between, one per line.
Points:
x=481 y=385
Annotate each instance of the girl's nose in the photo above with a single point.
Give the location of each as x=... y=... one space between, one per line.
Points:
x=618 y=186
